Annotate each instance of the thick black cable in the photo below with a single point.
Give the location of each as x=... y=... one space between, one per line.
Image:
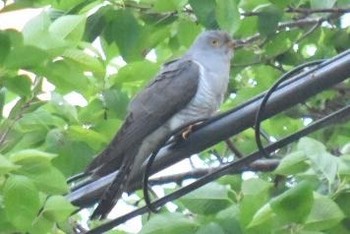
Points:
x=250 y=101
x=229 y=168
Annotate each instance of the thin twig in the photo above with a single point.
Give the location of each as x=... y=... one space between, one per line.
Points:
x=309 y=11
x=305 y=11
x=233 y=148
x=263 y=165
x=217 y=156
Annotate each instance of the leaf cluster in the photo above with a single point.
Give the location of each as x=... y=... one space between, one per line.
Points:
x=67 y=77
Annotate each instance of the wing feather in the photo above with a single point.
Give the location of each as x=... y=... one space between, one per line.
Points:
x=171 y=90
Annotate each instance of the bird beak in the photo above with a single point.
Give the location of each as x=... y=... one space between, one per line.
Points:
x=231 y=44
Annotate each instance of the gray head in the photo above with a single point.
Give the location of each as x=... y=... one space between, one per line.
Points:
x=213 y=50
x=213 y=42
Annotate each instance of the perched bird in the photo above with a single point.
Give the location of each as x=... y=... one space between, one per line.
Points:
x=185 y=90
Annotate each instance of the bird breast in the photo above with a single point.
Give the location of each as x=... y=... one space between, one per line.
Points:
x=207 y=100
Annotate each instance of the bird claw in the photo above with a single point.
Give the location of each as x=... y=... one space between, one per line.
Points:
x=189 y=129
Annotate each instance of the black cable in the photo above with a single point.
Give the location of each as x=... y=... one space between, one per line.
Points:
x=229 y=168
x=267 y=95
x=146 y=176
x=77 y=177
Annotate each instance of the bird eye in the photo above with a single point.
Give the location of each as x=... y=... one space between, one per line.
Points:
x=215 y=42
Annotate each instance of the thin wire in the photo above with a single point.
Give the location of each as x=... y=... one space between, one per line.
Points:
x=261 y=110
x=147 y=173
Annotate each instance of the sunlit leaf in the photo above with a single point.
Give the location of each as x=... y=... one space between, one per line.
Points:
x=207 y=199
x=68 y=27
x=6 y=165
x=227 y=15
x=325 y=213
x=57 y=208
x=295 y=204
x=322 y=161
x=174 y=223
x=21 y=200
x=205 y=12
x=268 y=19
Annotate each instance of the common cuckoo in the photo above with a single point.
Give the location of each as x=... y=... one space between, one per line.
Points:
x=185 y=90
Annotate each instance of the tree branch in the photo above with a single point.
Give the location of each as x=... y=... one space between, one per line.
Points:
x=305 y=11
x=262 y=165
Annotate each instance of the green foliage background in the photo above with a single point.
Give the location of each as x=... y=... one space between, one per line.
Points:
x=43 y=141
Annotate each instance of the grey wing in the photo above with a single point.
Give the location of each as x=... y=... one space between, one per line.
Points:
x=172 y=90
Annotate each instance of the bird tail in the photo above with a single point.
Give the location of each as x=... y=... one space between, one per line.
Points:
x=115 y=189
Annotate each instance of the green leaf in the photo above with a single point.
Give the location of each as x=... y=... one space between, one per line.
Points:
x=208 y=199
x=21 y=200
x=169 y=5
x=29 y=139
x=255 y=187
x=280 y=43
x=96 y=23
x=67 y=161
x=57 y=208
x=325 y=214
x=41 y=225
x=46 y=178
x=322 y=161
x=92 y=138
x=268 y=19
x=205 y=12
x=116 y=102
x=292 y=164
x=263 y=215
x=62 y=108
x=3 y=92
x=281 y=3
x=93 y=112
x=125 y=31
x=68 y=27
x=187 y=32
x=229 y=219
x=247 y=27
x=38 y=120
x=69 y=5
x=251 y=5
x=5 y=45
x=343 y=201
x=31 y=156
x=227 y=15
x=174 y=223
x=85 y=61
x=66 y=77
x=20 y=85
x=36 y=33
x=5 y=224
x=6 y=166
x=210 y=228
x=245 y=57
x=131 y=72
x=344 y=165
x=294 y=205
x=316 y=4
x=255 y=195
x=25 y=57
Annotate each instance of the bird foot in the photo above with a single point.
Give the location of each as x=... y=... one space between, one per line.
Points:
x=189 y=129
